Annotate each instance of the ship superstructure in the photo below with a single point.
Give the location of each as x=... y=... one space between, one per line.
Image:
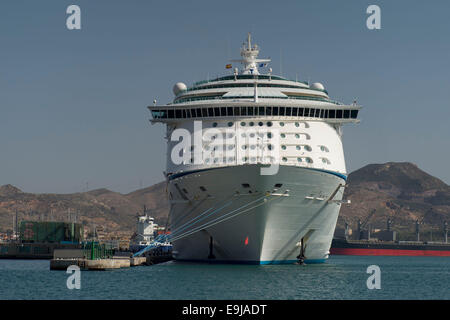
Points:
x=255 y=166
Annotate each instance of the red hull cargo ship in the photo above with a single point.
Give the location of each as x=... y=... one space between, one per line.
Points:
x=387 y=248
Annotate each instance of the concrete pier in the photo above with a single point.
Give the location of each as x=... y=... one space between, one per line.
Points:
x=97 y=264
x=138 y=261
x=86 y=264
x=62 y=264
x=62 y=259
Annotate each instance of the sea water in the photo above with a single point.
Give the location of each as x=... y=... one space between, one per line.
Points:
x=341 y=277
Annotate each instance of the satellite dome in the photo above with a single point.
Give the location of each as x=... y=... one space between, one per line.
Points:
x=317 y=86
x=179 y=87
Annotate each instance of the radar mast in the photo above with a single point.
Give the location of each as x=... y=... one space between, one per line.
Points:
x=249 y=56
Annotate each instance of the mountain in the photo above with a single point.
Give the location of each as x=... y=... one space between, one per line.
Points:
x=398 y=191
x=112 y=212
x=9 y=190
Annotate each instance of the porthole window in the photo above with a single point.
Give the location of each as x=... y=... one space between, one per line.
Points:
x=252 y=135
x=284 y=159
x=308 y=148
x=283 y=147
x=243 y=135
x=283 y=135
x=297 y=136
x=243 y=124
x=269 y=146
x=207 y=160
x=231 y=147
x=260 y=124
x=251 y=124
x=230 y=124
x=244 y=159
x=298 y=148
x=230 y=135
x=281 y=124
x=269 y=124
x=269 y=135
x=299 y=159
x=214 y=124
x=297 y=124
x=252 y=147
x=309 y=160
x=244 y=147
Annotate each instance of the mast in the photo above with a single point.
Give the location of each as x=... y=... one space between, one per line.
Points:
x=249 y=56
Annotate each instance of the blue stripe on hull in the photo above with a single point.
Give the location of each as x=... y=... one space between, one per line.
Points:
x=250 y=262
x=181 y=174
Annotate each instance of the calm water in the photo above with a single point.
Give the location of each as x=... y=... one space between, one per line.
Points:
x=342 y=277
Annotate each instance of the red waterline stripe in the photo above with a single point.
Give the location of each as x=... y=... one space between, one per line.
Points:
x=388 y=252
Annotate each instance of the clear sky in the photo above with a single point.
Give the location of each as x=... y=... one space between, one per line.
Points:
x=73 y=103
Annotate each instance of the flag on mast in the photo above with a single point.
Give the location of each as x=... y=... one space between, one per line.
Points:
x=228 y=66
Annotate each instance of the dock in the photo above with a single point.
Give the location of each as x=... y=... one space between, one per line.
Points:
x=63 y=262
x=96 y=259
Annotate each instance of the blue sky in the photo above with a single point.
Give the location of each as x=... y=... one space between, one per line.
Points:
x=73 y=103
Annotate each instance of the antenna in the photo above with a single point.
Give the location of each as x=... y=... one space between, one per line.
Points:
x=256 y=89
x=281 y=63
x=249 y=54
x=228 y=48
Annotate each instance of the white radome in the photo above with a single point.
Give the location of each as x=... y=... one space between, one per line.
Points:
x=179 y=87
x=317 y=86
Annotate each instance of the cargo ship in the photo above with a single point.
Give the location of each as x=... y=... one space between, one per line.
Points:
x=389 y=248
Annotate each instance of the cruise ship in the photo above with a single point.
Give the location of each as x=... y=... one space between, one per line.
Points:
x=255 y=166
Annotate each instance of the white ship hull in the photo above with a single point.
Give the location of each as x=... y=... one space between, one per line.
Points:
x=220 y=133
x=264 y=226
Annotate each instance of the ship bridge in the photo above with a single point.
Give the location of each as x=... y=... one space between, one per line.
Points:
x=248 y=93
